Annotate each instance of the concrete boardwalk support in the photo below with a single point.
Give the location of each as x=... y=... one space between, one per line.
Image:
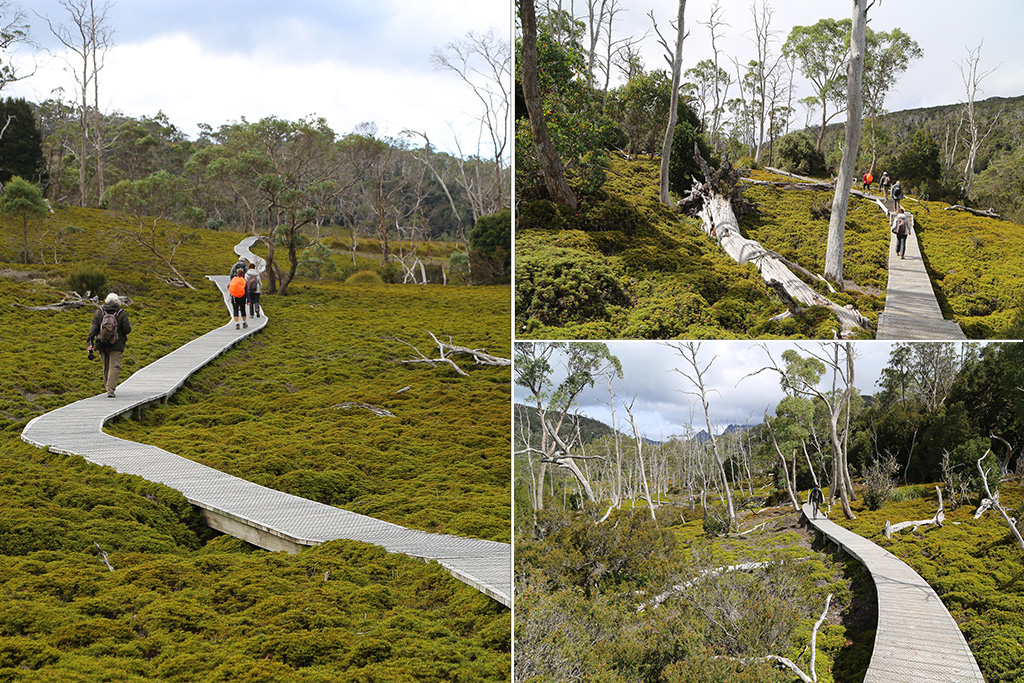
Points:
x=264 y=517
x=911 y=310
x=916 y=639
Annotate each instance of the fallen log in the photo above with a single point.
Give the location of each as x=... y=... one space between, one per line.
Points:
x=993 y=501
x=937 y=520
x=977 y=212
x=376 y=410
x=712 y=200
x=447 y=349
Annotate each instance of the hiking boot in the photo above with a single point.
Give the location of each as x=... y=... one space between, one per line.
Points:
x=110 y=394
x=237 y=326
x=245 y=324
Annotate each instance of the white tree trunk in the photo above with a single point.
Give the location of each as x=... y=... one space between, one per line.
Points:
x=854 y=76
x=677 y=67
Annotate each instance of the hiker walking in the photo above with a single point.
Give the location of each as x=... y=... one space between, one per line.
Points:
x=237 y=289
x=885 y=183
x=816 y=499
x=253 y=289
x=868 y=179
x=108 y=333
x=901 y=228
x=897 y=195
x=242 y=263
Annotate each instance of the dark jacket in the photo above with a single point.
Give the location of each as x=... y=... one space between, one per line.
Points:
x=123 y=328
x=241 y=264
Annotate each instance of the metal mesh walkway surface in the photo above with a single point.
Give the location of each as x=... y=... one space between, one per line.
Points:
x=265 y=517
x=916 y=639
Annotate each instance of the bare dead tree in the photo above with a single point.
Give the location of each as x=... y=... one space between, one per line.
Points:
x=972 y=79
x=674 y=57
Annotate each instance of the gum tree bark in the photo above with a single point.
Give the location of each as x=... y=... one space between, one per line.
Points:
x=677 y=67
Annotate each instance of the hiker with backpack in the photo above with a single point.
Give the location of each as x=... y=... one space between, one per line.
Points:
x=868 y=179
x=885 y=183
x=901 y=228
x=816 y=499
x=253 y=289
x=237 y=289
x=108 y=333
x=897 y=195
x=242 y=263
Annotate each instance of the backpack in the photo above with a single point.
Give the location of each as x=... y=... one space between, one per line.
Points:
x=901 y=226
x=108 y=329
x=897 y=191
x=252 y=282
x=237 y=286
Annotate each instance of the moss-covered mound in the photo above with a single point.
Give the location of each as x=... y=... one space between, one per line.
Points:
x=183 y=603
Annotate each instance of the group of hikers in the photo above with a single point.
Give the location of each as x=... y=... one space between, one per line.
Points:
x=110 y=325
x=901 y=225
x=245 y=288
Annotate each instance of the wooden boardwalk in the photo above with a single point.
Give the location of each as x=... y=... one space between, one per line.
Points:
x=916 y=639
x=265 y=517
x=911 y=310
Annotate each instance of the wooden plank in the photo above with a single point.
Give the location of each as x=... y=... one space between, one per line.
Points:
x=916 y=639
x=260 y=515
x=911 y=310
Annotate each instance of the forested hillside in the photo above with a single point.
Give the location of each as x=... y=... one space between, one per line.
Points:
x=688 y=558
x=182 y=603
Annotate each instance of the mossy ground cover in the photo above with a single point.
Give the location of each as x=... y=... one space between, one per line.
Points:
x=974 y=565
x=625 y=266
x=578 y=591
x=184 y=604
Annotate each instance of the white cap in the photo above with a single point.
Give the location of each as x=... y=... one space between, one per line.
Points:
x=113 y=298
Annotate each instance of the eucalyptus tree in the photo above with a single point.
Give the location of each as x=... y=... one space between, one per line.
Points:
x=88 y=36
x=24 y=200
x=547 y=155
x=674 y=57
x=555 y=374
x=820 y=51
x=800 y=375
x=887 y=56
x=972 y=78
x=851 y=148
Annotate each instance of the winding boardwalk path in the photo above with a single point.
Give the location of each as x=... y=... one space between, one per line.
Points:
x=262 y=516
x=916 y=639
x=911 y=310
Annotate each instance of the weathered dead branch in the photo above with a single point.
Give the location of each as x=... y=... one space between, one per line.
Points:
x=993 y=501
x=446 y=350
x=72 y=301
x=937 y=520
x=977 y=212
x=376 y=410
x=103 y=556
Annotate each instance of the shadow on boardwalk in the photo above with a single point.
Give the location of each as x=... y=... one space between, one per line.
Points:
x=262 y=516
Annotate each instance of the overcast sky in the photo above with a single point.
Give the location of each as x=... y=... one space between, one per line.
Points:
x=944 y=29
x=216 y=61
x=661 y=407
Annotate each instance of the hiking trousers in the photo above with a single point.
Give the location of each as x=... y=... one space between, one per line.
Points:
x=111 y=368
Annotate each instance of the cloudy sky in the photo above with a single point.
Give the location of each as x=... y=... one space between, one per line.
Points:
x=661 y=406
x=944 y=29
x=216 y=61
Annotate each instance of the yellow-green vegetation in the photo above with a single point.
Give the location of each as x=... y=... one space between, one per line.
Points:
x=579 y=584
x=975 y=566
x=625 y=266
x=186 y=604
x=795 y=224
